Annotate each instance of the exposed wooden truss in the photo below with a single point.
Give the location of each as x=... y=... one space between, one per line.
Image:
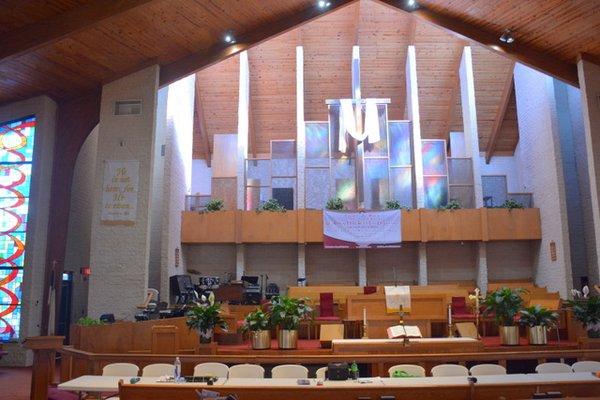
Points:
x=496 y=128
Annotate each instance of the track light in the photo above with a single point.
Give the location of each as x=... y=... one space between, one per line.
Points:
x=507 y=37
x=229 y=38
x=323 y=4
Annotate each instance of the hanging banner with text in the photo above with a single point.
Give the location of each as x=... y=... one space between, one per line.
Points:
x=120 y=192
x=372 y=229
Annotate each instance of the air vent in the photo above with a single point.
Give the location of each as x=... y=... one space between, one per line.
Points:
x=128 y=107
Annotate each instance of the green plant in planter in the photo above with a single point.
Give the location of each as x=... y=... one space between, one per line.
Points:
x=335 y=204
x=215 y=205
x=394 y=205
x=271 y=205
x=504 y=304
x=538 y=316
x=452 y=205
x=87 y=321
x=257 y=320
x=511 y=204
x=288 y=312
x=204 y=318
x=586 y=309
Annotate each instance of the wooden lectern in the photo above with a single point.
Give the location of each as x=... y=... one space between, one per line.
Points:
x=44 y=351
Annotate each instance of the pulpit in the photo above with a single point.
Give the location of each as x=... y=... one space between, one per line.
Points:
x=44 y=355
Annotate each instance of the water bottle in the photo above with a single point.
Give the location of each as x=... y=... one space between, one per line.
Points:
x=177 y=371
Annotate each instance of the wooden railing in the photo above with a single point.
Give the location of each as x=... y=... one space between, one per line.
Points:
x=306 y=226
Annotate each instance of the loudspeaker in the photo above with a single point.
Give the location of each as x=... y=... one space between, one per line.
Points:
x=179 y=284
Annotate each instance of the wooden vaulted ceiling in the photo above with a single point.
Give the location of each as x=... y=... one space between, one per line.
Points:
x=383 y=37
x=67 y=48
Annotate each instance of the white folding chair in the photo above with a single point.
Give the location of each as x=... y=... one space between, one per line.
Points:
x=552 y=367
x=586 y=366
x=120 y=369
x=487 y=369
x=155 y=370
x=411 y=369
x=246 y=371
x=321 y=373
x=211 y=369
x=449 y=370
x=289 y=371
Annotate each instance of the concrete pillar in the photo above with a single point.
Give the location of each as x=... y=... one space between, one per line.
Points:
x=240 y=261
x=243 y=129
x=412 y=102
x=423 y=279
x=300 y=132
x=120 y=253
x=482 y=270
x=301 y=260
x=589 y=82
x=362 y=267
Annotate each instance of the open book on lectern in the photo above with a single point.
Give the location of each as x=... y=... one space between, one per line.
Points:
x=404 y=331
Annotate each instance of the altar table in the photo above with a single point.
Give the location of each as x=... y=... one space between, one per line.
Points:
x=394 y=346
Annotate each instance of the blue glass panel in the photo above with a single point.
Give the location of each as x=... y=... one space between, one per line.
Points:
x=317 y=140
x=379 y=149
x=10 y=322
x=377 y=183
x=436 y=191
x=402 y=186
x=434 y=157
x=400 y=150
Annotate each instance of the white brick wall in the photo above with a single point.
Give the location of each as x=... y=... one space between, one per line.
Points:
x=451 y=261
x=381 y=264
x=509 y=260
x=331 y=266
x=278 y=261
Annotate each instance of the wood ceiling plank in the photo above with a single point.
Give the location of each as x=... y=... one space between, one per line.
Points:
x=496 y=127
x=201 y=142
x=31 y=37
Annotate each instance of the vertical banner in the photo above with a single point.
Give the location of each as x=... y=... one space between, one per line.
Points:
x=120 y=192
x=372 y=229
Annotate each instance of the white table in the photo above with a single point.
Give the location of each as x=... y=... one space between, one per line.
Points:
x=96 y=383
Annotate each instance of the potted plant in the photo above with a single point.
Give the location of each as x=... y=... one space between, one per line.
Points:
x=258 y=323
x=511 y=204
x=452 y=205
x=335 y=204
x=204 y=318
x=215 y=205
x=586 y=309
x=271 y=205
x=504 y=304
x=286 y=314
x=538 y=319
x=394 y=205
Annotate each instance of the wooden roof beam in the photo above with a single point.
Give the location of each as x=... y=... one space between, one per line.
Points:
x=31 y=37
x=200 y=125
x=204 y=58
x=497 y=127
x=454 y=93
x=520 y=53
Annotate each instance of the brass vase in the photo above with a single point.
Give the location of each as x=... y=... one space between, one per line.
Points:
x=261 y=340
x=287 y=339
x=537 y=335
x=509 y=335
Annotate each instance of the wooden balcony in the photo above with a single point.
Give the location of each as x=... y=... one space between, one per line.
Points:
x=306 y=226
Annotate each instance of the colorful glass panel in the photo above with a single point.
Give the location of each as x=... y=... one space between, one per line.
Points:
x=400 y=151
x=317 y=140
x=434 y=157
x=436 y=191
x=16 y=155
x=402 y=186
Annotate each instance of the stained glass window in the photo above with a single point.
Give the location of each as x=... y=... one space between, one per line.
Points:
x=16 y=155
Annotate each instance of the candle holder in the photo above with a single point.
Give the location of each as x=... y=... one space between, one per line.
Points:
x=450 y=330
x=365 y=331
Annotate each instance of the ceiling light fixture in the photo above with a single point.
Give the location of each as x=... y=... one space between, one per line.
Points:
x=507 y=37
x=412 y=4
x=323 y=4
x=229 y=38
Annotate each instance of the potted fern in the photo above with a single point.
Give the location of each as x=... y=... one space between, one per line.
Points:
x=504 y=304
x=586 y=309
x=538 y=320
x=258 y=323
x=335 y=204
x=271 y=205
x=286 y=314
x=215 y=205
x=204 y=318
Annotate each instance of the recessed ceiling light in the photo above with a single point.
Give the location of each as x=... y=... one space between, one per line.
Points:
x=412 y=3
x=323 y=4
x=229 y=38
x=507 y=37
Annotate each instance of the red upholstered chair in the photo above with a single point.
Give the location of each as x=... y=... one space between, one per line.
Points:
x=369 y=289
x=460 y=311
x=326 y=308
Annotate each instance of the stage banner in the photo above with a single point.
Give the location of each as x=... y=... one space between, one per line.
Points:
x=120 y=192
x=370 y=229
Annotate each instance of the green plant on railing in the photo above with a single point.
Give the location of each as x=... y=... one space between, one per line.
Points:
x=87 y=321
x=257 y=320
x=271 y=205
x=393 y=205
x=215 y=205
x=538 y=316
x=452 y=205
x=511 y=204
x=335 y=204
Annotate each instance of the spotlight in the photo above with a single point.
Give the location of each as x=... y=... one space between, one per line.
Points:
x=412 y=3
x=229 y=38
x=323 y=4
x=507 y=37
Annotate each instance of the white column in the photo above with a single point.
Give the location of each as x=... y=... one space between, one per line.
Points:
x=469 y=112
x=242 y=133
x=119 y=254
x=300 y=131
x=301 y=260
x=412 y=102
x=423 y=280
x=589 y=81
x=362 y=267
x=240 y=261
x=482 y=270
